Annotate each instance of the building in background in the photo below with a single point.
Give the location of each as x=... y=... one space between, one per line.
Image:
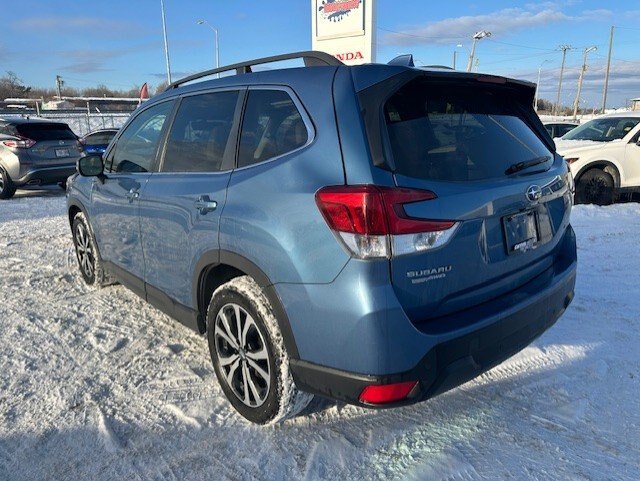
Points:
x=635 y=104
x=345 y=29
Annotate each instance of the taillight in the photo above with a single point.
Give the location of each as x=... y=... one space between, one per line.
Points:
x=371 y=221
x=22 y=143
x=386 y=393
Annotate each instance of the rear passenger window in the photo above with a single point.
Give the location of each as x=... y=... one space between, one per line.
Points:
x=136 y=148
x=272 y=126
x=200 y=133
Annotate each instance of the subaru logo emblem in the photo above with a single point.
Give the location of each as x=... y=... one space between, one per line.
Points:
x=534 y=193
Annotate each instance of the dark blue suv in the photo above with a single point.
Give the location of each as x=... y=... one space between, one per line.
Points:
x=376 y=234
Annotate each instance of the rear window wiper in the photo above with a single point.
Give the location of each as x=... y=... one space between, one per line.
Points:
x=513 y=168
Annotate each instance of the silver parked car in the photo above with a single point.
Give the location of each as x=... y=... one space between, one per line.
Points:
x=35 y=152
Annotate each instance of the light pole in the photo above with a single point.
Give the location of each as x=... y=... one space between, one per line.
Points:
x=476 y=36
x=455 y=54
x=576 y=104
x=215 y=30
x=166 y=43
x=538 y=83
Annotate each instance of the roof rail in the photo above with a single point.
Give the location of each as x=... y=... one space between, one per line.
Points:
x=311 y=58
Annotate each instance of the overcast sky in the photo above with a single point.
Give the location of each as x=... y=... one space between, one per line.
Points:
x=119 y=43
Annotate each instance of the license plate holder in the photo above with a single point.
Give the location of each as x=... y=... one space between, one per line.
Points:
x=521 y=231
x=62 y=152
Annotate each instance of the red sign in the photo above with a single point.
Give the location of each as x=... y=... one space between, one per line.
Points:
x=349 y=56
x=338 y=6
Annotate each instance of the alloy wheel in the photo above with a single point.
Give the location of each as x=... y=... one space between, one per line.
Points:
x=84 y=251
x=595 y=190
x=242 y=355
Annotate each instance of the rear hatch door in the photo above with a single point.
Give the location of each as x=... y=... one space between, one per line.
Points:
x=481 y=150
x=55 y=143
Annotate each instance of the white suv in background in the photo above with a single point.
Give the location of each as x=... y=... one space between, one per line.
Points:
x=604 y=156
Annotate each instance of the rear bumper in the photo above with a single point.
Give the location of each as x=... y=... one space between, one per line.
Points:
x=46 y=175
x=503 y=331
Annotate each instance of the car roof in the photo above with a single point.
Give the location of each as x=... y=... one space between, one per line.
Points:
x=97 y=131
x=622 y=114
x=363 y=76
x=560 y=122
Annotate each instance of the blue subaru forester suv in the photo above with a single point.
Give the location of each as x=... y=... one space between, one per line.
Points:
x=376 y=234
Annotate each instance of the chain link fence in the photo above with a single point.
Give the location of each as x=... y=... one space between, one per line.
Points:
x=81 y=122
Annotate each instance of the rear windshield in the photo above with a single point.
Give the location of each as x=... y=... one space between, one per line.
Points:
x=603 y=130
x=457 y=133
x=48 y=131
x=99 y=138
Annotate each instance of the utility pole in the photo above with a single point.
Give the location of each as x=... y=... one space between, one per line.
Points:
x=477 y=36
x=454 y=59
x=576 y=104
x=606 y=76
x=166 y=43
x=59 y=83
x=564 y=49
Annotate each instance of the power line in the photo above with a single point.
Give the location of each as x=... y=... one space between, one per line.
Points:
x=421 y=36
x=523 y=46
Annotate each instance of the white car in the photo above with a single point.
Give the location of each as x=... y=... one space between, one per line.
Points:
x=604 y=156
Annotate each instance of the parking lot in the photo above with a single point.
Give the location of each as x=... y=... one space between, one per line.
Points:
x=97 y=384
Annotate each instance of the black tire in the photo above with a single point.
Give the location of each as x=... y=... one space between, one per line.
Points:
x=7 y=187
x=87 y=255
x=266 y=398
x=595 y=187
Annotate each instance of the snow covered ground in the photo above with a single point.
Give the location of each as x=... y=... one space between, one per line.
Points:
x=98 y=385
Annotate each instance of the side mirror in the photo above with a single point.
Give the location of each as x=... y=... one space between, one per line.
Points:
x=90 y=166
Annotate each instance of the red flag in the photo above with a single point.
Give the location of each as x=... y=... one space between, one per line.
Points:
x=144 y=92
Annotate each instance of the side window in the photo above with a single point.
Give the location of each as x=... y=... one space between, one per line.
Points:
x=272 y=126
x=136 y=148
x=200 y=133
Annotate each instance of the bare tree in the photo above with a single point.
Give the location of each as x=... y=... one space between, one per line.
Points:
x=11 y=86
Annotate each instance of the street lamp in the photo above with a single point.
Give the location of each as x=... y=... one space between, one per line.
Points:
x=538 y=83
x=166 y=42
x=215 y=30
x=455 y=53
x=476 y=36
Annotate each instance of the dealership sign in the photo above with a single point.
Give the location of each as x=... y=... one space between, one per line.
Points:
x=345 y=29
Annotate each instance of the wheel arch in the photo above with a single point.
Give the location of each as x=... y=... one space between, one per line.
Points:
x=220 y=266
x=606 y=165
x=74 y=207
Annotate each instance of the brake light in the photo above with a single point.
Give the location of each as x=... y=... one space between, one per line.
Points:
x=386 y=393
x=22 y=143
x=371 y=221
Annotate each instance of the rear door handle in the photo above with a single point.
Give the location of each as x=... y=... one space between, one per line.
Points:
x=205 y=205
x=132 y=195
